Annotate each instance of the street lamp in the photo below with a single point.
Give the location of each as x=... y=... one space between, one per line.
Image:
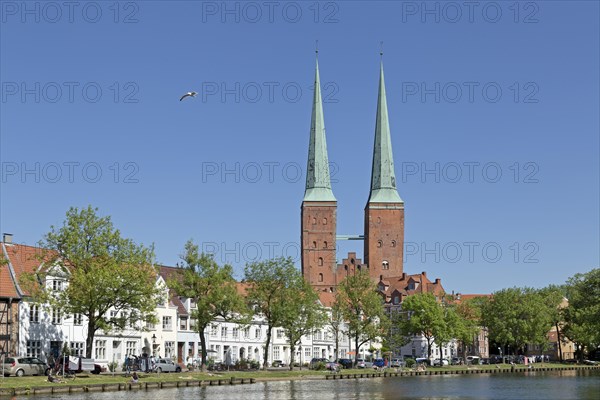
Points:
x=300 y=350
x=501 y=356
x=153 y=344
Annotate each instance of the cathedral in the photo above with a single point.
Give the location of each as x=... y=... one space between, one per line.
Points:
x=384 y=215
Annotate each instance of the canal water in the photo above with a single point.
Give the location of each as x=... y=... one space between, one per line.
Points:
x=563 y=385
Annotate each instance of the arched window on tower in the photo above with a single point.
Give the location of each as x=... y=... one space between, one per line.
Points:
x=393 y=243
x=324 y=221
x=314 y=221
x=325 y=244
x=314 y=245
x=320 y=261
x=385 y=265
x=320 y=277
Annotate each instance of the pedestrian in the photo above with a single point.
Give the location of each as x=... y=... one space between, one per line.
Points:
x=127 y=365
x=134 y=378
x=50 y=361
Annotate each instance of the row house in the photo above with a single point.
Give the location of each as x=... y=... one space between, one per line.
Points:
x=31 y=329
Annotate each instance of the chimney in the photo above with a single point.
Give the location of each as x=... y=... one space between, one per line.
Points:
x=7 y=238
x=424 y=273
x=404 y=276
x=380 y=278
x=437 y=281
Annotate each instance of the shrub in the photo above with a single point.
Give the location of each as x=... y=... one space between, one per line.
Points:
x=112 y=366
x=320 y=366
x=410 y=362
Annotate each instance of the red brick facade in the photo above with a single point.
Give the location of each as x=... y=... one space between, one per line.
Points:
x=318 y=244
x=384 y=239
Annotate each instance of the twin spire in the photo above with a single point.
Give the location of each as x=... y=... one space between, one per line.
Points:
x=383 y=179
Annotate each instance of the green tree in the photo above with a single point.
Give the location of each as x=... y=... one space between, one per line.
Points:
x=301 y=311
x=469 y=323
x=104 y=271
x=517 y=316
x=362 y=309
x=554 y=297
x=268 y=283
x=582 y=315
x=213 y=290
x=424 y=316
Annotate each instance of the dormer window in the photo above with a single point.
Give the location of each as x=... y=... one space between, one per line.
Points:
x=396 y=299
x=57 y=285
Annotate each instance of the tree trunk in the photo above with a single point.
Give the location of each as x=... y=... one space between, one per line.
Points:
x=337 y=345
x=266 y=355
x=292 y=351
x=89 y=340
x=355 y=349
x=203 y=349
x=428 y=348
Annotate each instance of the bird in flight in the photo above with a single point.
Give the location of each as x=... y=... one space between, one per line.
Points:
x=188 y=94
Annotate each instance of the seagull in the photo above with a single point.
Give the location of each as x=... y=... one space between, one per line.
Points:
x=188 y=94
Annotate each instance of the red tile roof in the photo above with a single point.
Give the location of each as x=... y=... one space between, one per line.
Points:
x=23 y=259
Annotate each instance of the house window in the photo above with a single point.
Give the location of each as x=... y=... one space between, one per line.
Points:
x=307 y=350
x=235 y=332
x=114 y=314
x=34 y=348
x=57 y=285
x=316 y=352
x=257 y=333
x=183 y=324
x=130 y=347
x=169 y=349
x=77 y=349
x=77 y=319
x=56 y=316
x=276 y=353
x=280 y=334
x=246 y=333
x=100 y=350
x=167 y=323
x=385 y=265
x=223 y=331
x=213 y=331
x=150 y=325
x=396 y=299
x=34 y=313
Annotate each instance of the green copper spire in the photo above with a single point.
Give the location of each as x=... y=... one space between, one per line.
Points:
x=383 y=178
x=318 y=184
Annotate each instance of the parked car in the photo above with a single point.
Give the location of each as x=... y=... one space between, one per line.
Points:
x=422 y=360
x=472 y=360
x=345 y=362
x=379 y=363
x=98 y=368
x=360 y=363
x=455 y=361
x=396 y=363
x=278 y=363
x=484 y=361
x=437 y=362
x=164 y=365
x=24 y=366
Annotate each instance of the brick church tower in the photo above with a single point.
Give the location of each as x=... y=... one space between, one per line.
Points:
x=319 y=206
x=384 y=212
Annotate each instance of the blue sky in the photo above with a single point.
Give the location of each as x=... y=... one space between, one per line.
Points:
x=493 y=112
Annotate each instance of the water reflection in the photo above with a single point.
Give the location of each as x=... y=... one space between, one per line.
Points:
x=561 y=385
